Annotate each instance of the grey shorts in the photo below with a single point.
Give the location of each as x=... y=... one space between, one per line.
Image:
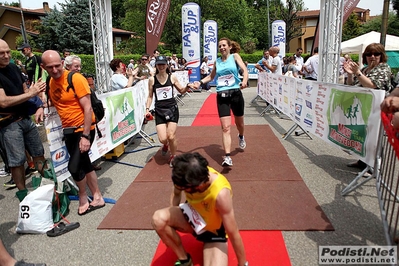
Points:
x=18 y=137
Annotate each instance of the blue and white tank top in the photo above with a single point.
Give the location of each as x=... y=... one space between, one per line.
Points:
x=227 y=74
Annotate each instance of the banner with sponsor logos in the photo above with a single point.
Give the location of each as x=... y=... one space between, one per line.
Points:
x=279 y=36
x=346 y=116
x=157 y=12
x=191 y=30
x=211 y=44
x=124 y=116
x=211 y=41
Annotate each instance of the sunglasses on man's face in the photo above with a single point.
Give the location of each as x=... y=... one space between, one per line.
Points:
x=144 y=59
x=188 y=189
x=375 y=54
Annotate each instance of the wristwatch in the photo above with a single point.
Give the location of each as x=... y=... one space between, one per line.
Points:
x=86 y=136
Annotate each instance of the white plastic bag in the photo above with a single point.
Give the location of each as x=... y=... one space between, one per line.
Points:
x=35 y=211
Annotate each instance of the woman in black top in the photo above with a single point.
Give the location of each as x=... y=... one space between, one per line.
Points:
x=161 y=86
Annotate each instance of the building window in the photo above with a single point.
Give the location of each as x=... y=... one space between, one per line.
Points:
x=311 y=23
x=118 y=40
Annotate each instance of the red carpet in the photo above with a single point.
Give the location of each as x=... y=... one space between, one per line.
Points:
x=208 y=115
x=262 y=247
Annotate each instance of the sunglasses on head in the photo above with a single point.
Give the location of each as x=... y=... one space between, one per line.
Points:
x=143 y=58
x=375 y=54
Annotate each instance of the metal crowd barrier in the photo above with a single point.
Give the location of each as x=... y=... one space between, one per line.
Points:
x=387 y=179
x=386 y=173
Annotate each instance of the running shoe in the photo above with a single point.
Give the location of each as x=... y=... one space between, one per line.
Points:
x=164 y=149
x=241 y=142
x=29 y=171
x=227 y=161
x=10 y=184
x=4 y=173
x=189 y=263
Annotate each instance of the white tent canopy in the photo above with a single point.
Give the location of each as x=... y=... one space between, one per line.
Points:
x=358 y=44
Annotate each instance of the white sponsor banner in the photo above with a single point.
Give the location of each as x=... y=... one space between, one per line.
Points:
x=124 y=116
x=191 y=30
x=183 y=78
x=279 y=36
x=211 y=41
x=346 y=116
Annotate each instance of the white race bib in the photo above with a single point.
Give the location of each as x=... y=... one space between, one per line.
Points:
x=193 y=218
x=226 y=80
x=164 y=93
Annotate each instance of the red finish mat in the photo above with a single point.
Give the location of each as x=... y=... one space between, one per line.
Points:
x=262 y=248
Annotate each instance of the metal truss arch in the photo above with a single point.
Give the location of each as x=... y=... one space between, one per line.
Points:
x=330 y=28
x=101 y=27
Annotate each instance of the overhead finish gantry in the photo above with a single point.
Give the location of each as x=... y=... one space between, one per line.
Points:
x=331 y=16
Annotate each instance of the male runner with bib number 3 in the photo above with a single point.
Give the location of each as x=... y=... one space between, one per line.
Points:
x=229 y=94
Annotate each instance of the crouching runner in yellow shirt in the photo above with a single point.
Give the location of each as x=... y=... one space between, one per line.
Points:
x=208 y=213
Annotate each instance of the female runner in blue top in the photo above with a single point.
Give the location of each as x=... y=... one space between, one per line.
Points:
x=229 y=96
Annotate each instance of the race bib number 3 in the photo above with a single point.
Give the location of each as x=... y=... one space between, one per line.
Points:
x=164 y=93
x=226 y=81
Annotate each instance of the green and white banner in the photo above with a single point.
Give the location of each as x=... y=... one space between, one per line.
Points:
x=346 y=116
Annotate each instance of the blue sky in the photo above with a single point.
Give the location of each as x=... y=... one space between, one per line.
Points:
x=375 y=6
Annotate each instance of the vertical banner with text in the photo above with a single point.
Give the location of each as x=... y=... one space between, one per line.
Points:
x=278 y=36
x=157 y=12
x=211 y=43
x=191 y=30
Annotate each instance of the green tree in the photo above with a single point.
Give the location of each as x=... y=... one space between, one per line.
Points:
x=118 y=13
x=14 y=4
x=351 y=27
x=74 y=30
x=292 y=26
x=375 y=25
x=259 y=20
x=68 y=28
x=234 y=24
x=395 y=5
x=172 y=34
x=134 y=19
x=49 y=31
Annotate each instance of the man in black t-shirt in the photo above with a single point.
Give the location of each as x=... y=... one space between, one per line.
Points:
x=32 y=64
x=17 y=130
